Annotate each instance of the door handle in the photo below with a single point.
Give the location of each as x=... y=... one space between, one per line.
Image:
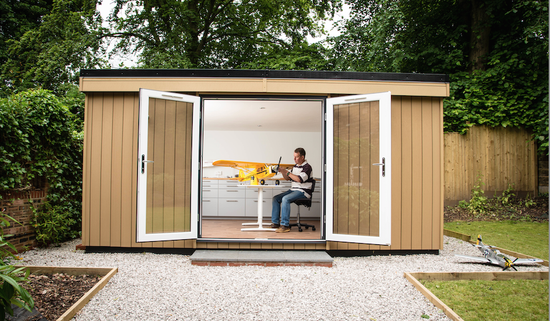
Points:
x=143 y=161
x=383 y=164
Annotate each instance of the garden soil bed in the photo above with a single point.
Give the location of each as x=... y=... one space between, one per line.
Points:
x=56 y=293
x=514 y=211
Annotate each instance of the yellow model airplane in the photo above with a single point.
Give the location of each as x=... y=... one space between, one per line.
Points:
x=255 y=172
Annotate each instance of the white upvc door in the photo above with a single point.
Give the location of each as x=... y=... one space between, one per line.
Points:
x=168 y=166
x=358 y=197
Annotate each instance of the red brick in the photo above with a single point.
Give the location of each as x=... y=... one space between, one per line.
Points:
x=324 y=264
x=256 y=264
x=274 y=264
x=236 y=264
x=218 y=263
x=199 y=263
x=293 y=264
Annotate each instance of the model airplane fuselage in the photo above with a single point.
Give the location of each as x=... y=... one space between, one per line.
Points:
x=493 y=256
x=254 y=172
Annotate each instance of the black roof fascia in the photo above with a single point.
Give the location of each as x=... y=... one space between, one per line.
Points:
x=276 y=74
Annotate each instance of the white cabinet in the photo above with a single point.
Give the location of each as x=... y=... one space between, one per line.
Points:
x=210 y=207
x=209 y=197
x=231 y=199
x=231 y=192
x=228 y=198
x=231 y=207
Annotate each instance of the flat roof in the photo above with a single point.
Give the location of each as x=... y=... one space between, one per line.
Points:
x=274 y=74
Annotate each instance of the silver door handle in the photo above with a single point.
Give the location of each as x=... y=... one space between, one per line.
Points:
x=383 y=164
x=143 y=161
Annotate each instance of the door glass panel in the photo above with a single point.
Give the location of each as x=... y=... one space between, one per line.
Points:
x=356 y=181
x=358 y=198
x=168 y=144
x=168 y=176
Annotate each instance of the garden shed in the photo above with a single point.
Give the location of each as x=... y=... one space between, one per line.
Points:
x=374 y=140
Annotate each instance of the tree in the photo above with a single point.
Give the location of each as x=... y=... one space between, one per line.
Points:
x=18 y=17
x=51 y=55
x=215 y=33
x=495 y=51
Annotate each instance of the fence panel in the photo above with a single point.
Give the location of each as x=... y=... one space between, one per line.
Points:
x=499 y=156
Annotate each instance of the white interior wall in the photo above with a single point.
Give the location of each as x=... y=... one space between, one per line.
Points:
x=258 y=146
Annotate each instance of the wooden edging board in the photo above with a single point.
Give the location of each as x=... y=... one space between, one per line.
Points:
x=106 y=273
x=415 y=278
x=468 y=238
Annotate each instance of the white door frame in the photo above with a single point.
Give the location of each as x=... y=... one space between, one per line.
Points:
x=384 y=237
x=144 y=96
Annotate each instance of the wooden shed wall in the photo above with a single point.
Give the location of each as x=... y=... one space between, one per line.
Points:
x=110 y=180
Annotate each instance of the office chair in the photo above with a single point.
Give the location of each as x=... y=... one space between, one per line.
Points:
x=306 y=202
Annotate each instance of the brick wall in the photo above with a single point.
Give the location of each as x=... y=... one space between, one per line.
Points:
x=17 y=205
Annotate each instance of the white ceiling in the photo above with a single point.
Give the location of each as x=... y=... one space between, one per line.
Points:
x=262 y=115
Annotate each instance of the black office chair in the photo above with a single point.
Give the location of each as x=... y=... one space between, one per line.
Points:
x=307 y=203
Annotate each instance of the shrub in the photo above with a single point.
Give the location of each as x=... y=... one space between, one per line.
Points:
x=52 y=224
x=41 y=137
x=11 y=291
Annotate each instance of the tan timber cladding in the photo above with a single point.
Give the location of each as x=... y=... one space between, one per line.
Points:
x=111 y=160
x=265 y=85
x=417 y=173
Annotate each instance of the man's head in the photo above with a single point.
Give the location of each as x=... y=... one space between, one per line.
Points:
x=299 y=155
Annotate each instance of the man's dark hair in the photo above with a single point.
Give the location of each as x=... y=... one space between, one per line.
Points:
x=301 y=151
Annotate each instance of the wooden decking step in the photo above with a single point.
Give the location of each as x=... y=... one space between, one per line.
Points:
x=260 y=258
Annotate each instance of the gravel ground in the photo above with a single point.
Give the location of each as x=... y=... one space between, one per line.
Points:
x=167 y=287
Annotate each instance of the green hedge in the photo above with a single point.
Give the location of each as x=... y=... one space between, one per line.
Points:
x=41 y=136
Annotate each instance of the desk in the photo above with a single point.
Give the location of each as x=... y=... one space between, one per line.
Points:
x=260 y=210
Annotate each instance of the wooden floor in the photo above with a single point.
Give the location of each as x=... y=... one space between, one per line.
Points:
x=231 y=229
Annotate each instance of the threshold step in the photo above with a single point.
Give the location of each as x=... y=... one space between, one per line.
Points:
x=260 y=258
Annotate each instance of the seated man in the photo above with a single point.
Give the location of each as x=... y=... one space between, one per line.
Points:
x=301 y=172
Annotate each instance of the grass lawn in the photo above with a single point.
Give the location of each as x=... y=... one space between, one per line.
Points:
x=494 y=300
x=530 y=238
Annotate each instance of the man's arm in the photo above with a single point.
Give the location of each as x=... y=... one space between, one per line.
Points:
x=287 y=175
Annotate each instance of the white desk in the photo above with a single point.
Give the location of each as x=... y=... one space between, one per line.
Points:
x=260 y=210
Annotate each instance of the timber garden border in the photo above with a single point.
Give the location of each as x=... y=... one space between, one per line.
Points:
x=415 y=278
x=106 y=272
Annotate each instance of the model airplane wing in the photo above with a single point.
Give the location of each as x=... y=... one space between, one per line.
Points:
x=241 y=164
x=253 y=171
x=479 y=259
x=526 y=261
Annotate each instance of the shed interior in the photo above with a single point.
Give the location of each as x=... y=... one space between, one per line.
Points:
x=264 y=130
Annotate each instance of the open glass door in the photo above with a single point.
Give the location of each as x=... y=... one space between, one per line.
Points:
x=168 y=166
x=358 y=198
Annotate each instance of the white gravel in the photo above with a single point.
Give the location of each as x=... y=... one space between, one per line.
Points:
x=167 y=287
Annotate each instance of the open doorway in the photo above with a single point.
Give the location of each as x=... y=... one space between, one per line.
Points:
x=259 y=130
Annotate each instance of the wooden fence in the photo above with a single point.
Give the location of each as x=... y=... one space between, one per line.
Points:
x=499 y=156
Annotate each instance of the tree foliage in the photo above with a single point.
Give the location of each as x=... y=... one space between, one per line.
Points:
x=18 y=17
x=217 y=33
x=51 y=55
x=495 y=51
